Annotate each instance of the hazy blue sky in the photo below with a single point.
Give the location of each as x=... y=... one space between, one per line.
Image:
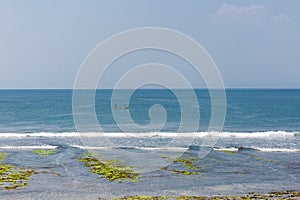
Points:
x=254 y=43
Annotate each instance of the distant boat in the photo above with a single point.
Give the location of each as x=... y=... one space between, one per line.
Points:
x=116 y=106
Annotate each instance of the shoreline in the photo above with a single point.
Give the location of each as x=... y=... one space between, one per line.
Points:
x=288 y=194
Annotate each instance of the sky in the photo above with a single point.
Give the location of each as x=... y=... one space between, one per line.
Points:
x=255 y=44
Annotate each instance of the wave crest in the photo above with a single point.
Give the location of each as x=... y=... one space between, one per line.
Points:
x=266 y=134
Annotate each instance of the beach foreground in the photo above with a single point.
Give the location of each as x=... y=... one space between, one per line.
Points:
x=272 y=195
x=62 y=167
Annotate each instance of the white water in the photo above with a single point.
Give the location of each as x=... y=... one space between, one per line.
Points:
x=267 y=134
x=29 y=147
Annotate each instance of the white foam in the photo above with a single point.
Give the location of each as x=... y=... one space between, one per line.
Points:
x=40 y=134
x=276 y=149
x=29 y=147
x=90 y=148
x=267 y=134
x=233 y=149
x=129 y=147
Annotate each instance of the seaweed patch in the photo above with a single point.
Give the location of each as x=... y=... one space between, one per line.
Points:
x=111 y=170
x=185 y=162
x=143 y=198
x=229 y=152
x=44 y=152
x=13 y=177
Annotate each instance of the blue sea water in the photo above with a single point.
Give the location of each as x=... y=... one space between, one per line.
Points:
x=24 y=111
x=261 y=129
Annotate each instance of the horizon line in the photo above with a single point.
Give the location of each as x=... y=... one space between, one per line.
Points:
x=198 y=88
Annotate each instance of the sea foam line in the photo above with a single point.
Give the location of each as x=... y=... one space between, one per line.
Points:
x=40 y=134
x=267 y=134
x=277 y=150
x=29 y=147
x=130 y=147
x=236 y=149
x=231 y=149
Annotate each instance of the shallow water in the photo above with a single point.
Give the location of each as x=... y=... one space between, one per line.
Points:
x=239 y=171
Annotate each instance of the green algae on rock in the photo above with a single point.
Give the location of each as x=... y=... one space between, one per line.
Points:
x=183 y=172
x=229 y=152
x=13 y=177
x=111 y=170
x=44 y=152
x=143 y=198
x=186 y=162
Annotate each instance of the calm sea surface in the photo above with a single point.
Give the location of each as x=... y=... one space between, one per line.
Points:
x=29 y=111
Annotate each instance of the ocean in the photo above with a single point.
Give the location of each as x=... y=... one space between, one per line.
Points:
x=257 y=149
